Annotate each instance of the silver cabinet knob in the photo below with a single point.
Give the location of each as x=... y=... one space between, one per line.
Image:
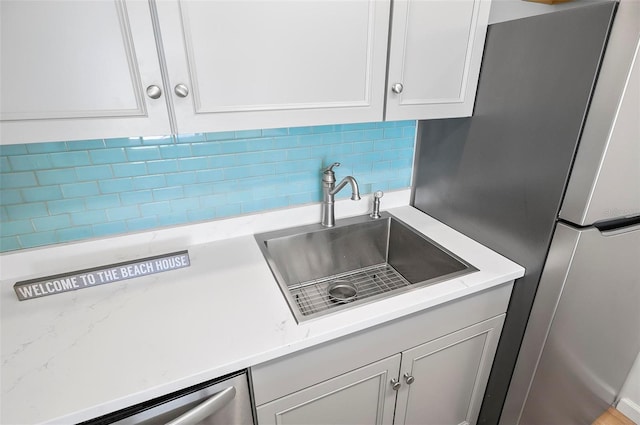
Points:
x=181 y=90
x=395 y=384
x=154 y=92
x=408 y=378
x=397 y=88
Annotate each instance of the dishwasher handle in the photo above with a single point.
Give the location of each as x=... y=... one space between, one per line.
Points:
x=206 y=408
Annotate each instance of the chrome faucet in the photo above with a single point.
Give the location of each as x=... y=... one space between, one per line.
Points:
x=328 y=193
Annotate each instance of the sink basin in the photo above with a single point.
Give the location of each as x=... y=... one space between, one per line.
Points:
x=321 y=270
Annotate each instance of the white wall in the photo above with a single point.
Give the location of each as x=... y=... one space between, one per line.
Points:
x=630 y=395
x=507 y=10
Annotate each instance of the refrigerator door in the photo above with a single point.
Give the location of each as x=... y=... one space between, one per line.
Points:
x=592 y=339
x=605 y=181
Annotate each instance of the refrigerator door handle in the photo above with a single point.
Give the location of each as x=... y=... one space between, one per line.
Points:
x=206 y=408
x=618 y=226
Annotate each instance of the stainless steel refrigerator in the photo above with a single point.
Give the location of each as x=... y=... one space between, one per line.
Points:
x=547 y=173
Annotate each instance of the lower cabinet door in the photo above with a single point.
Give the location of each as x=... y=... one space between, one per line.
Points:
x=443 y=381
x=362 y=396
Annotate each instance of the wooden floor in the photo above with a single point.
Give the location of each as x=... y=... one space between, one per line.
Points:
x=613 y=417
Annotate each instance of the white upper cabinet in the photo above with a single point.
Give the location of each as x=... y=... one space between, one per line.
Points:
x=78 y=70
x=74 y=69
x=435 y=54
x=254 y=64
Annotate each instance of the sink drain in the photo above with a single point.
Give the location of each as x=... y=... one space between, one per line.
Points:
x=342 y=291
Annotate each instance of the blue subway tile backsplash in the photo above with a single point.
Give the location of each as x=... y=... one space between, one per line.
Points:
x=74 y=190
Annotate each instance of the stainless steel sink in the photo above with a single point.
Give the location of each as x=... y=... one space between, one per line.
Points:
x=321 y=270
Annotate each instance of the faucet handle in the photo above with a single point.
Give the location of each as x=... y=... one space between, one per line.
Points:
x=330 y=168
x=378 y=194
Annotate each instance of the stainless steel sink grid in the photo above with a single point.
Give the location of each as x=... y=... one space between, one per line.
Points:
x=380 y=257
x=313 y=297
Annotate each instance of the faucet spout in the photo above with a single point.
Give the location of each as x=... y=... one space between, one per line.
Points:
x=355 y=191
x=329 y=189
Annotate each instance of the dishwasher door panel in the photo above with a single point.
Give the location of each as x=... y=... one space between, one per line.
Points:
x=221 y=402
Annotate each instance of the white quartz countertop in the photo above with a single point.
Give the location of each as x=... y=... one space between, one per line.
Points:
x=77 y=355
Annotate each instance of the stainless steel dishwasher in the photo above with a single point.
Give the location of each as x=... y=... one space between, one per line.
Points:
x=223 y=401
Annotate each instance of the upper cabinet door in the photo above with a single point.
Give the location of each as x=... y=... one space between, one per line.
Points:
x=76 y=69
x=434 y=57
x=254 y=64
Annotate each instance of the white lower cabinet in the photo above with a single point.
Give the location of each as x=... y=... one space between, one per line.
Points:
x=431 y=379
x=362 y=396
x=447 y=376
x=440 y=382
